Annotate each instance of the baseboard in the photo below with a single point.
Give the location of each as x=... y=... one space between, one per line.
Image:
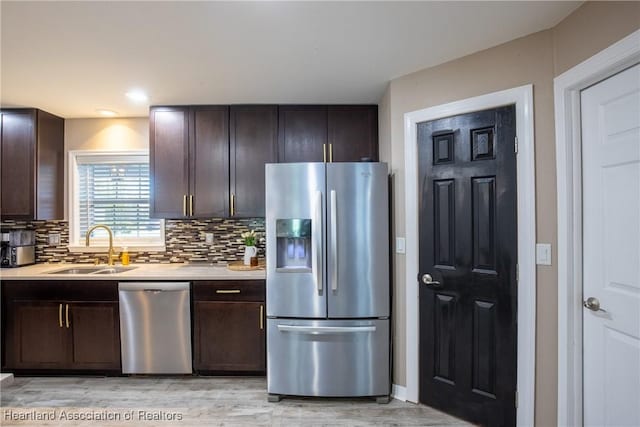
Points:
x=399 y=392
x=6 y=380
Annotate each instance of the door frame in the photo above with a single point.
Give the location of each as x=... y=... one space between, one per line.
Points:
x=522 y=97
x=567 y=87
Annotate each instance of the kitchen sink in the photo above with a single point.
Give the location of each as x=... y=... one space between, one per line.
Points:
x=114 y=270
x=77 y=270
x=93 y=270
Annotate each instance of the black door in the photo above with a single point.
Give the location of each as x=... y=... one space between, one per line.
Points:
x=468 y=245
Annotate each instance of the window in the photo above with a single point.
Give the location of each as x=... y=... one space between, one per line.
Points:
x=112 y=188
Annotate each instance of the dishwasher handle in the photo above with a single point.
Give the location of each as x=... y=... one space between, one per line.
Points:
x=153 y=286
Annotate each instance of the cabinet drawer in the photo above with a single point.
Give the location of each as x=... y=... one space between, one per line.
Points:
x=57 y=290
x=229 y=290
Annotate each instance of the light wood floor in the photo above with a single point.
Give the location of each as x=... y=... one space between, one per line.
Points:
x=213 y=401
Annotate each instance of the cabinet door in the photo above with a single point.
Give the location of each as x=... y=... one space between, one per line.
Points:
x=18 y=162
x=353 y=132
x=49 y=167
x=169 y=165
x=229 y=336
x=95 y=330
x=36 y=335
x=253 y=143
x=209 y=159
x=302 y=132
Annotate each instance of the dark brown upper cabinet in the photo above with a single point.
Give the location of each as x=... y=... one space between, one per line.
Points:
x=353 y=133
x=189 y=149
x=32 y=145
x=334 y=133
x=208 y=161
x=302 y=133
x=253 y=143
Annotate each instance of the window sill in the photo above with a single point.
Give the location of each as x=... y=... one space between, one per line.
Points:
x=118 y=248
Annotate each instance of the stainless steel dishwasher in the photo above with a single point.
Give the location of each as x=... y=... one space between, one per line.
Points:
x=155 y=327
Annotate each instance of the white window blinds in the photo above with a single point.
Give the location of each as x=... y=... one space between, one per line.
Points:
x=114 y=190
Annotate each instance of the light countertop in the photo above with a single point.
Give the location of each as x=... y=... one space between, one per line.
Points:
x=166 y=272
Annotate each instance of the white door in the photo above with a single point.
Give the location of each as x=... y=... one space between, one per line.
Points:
x=611 y=250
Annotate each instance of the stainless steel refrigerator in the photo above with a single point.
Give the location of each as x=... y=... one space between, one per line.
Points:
x=328 y=297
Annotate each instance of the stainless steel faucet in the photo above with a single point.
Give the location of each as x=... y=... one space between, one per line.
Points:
x=106 y=227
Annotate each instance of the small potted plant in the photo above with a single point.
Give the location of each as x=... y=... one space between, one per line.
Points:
x=249 y=238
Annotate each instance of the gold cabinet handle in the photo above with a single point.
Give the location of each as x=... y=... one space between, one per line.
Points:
x=60 y=315
x=261 y=316
x=67 y=315
x=184 y=205
x=190 y=204
x=227 y=291
x=330 y=153
x=324 y=153
x=233 y=204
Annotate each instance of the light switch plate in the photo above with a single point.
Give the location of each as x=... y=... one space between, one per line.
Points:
x=400 y=245
x=54 y=239
x=543 y=253
x=208 y=238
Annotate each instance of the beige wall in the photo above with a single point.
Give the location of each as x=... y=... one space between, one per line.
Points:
x=534 y=59
x=590 y=29
x=104 y=134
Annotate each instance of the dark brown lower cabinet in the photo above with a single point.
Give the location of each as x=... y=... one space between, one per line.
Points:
x=37 y=338
x=229 y=327
x=95 y=331
x=58 y=332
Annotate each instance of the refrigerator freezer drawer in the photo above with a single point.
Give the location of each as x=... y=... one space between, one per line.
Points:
x=328 y=358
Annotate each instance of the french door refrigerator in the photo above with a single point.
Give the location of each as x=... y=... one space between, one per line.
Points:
x=328 y=297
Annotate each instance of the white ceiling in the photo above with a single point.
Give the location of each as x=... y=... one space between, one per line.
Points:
x=72 y=58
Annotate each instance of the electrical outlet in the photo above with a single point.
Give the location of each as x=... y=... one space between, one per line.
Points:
x=208 y=238
x=54 y=239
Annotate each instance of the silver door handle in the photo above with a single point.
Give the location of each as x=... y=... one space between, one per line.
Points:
x=428 y=280
x=316 y=236
x=316 y=330
x=593 y=304
x=334 y=241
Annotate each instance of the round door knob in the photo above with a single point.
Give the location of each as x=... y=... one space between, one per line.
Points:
x=593 y=304
x=428 y=280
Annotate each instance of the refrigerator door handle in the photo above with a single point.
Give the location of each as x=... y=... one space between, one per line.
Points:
x=316 y=235
x=317 y=330
x=334 y=241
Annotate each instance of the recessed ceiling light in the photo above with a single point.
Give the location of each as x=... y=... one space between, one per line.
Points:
x=137 y=96
x=108 y=113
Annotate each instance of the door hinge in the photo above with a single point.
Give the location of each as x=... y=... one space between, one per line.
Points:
x=517 y=273
x=515 y=147
x=516 y=399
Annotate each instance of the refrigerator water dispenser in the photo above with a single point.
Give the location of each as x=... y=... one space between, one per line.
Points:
x=293 y=237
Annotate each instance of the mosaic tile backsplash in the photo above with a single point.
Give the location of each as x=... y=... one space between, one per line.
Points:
x=184 y=240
